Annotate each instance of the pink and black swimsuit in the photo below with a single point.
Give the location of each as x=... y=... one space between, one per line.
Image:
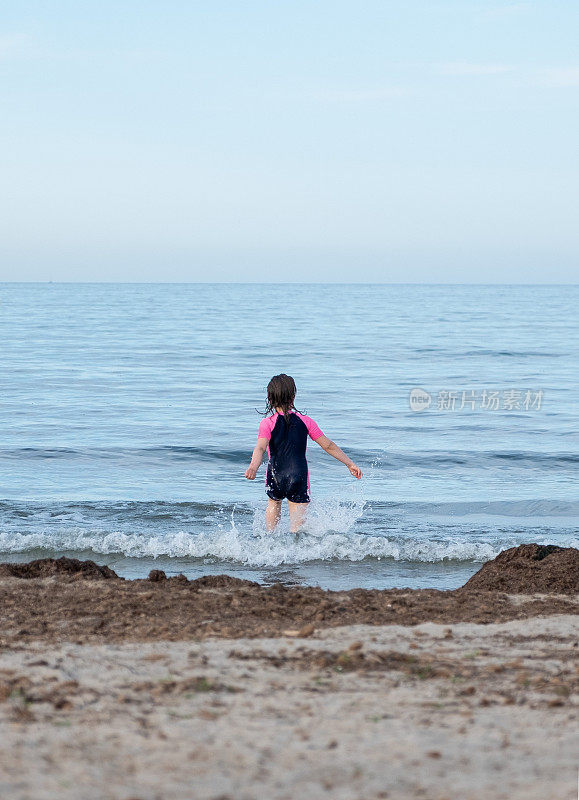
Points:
x=287 y=470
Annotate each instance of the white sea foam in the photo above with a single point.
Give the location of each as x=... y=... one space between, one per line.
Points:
x=262 y=550
x=330 y=536
x=335 y=530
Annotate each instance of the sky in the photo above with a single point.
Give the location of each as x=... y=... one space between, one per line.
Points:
x=375 y=141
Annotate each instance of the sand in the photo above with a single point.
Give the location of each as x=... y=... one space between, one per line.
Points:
x=433 y=711
x=213 y=689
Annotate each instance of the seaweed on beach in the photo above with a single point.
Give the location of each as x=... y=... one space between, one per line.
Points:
x=529 y=569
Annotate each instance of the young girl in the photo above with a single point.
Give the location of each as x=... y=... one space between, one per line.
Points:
x=285 y=435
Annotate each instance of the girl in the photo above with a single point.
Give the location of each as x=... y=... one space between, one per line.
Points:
x=285 y=435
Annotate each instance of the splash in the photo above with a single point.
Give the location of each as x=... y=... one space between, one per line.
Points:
x=337 y=529
x=334 y=531
x=257 y=550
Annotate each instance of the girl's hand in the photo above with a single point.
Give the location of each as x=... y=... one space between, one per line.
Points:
x=250 y=473
x=356 y=471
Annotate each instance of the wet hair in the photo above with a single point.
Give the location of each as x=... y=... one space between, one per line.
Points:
x=281 y=393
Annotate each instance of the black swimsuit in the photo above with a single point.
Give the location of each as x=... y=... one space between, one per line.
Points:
x=287 y=471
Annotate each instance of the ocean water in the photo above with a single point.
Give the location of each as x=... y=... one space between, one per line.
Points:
x=130 y=411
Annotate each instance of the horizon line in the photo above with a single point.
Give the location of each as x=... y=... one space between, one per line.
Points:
x=287 y=283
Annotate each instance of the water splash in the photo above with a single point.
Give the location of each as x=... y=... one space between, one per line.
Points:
x=335 y=530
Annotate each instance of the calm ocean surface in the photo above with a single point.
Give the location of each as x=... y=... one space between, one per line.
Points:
x=128 y=419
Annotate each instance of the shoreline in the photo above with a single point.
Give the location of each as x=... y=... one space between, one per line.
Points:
x=57 y=600
x=333 y=575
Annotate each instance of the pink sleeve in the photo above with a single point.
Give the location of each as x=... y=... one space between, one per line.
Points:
x=314 y=429
x=265 y=428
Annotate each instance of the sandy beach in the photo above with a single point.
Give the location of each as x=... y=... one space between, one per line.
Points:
x=158 y=689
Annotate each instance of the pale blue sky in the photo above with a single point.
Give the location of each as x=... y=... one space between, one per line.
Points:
x=311 y=141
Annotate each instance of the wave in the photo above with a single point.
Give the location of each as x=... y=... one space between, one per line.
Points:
x=252 y=550
x=487 y=352
x=475 y=459
x=379 y=459
x=511 y=353
x=144 y=511
x=172 y=452
x=534 y=507
x=267 y=550
x=335 y=531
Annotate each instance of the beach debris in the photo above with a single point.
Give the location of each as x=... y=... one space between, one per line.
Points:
x=52 y=567
x=222 y=582
x=157 y=575
x=529 y=569
x=301 y=633
x=173 y=608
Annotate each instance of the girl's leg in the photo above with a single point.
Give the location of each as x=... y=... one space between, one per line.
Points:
x=272 y=514
x=297 y=512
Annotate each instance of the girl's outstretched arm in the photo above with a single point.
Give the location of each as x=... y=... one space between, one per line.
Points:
x=256 y=458
x=333 y=450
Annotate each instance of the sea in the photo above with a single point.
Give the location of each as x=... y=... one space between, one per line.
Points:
x=130 y=412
